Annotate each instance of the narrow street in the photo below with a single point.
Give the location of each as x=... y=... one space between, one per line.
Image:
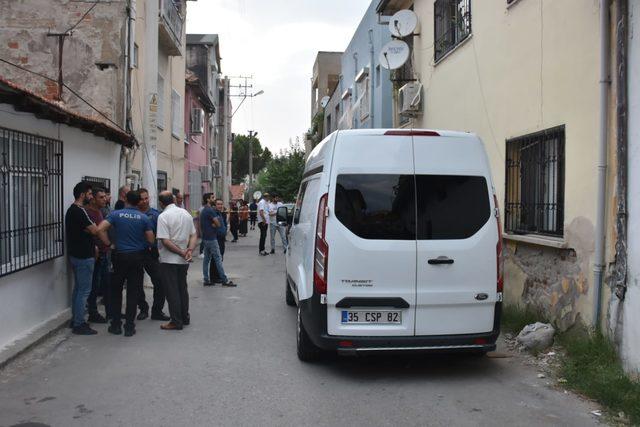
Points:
x=236 y=365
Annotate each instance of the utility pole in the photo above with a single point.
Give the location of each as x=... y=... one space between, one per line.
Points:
x=252 y=135
x=150 y=103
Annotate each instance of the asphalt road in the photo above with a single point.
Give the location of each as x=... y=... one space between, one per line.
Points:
x=236 y=365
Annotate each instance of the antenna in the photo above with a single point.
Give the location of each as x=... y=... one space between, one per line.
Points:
x=403 y=23
x=394 y=54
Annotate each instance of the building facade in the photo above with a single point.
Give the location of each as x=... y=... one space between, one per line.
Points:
x=45 y=149
x=530 y=79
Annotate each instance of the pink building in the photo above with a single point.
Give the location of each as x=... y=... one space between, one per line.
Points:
x=198 y=112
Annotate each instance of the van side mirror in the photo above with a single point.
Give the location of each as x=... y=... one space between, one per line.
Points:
x=282 y=216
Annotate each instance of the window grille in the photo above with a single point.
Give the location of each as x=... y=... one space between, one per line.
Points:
x=452 y=25
x=534 y=200
x=162 y=181
x=31 y=210
x=104 y=183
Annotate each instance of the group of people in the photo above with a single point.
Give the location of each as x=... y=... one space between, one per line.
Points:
x=267 y=217
x=110 y=247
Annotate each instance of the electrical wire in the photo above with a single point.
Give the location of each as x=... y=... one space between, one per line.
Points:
x=82 y=18
x=70 y=90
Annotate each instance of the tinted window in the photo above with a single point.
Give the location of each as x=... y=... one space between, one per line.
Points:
x=299 y=200
x=451 y=207
x=377 y=206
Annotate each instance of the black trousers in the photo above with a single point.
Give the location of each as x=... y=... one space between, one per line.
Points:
x=213 y=271
x=152 y=267
x=174 y=277
x=263 y=234
x=127 y=266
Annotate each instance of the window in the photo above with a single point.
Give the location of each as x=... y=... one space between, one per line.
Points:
x=363 y=102
x=383 y=207
x=162 y=181
x=534 y=199
x=176 y=114
x=377 y=206
x=451 y=207
x=134 y=59
x=452 y=25
x=104 y=183
x=31 y=212
x=197 y=120
x=299 y=200
x=160 y=118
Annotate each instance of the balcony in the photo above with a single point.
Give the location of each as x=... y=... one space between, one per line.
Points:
x=170 y=24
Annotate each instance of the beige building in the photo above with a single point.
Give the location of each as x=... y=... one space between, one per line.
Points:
x=325 y=79
x=525 y=76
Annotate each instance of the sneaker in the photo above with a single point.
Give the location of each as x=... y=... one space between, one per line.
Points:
x=129 y=331
x=229 y=284
x=187 y=321
x=97 y=318
x=84 y=329
x=273 y=251
x=264 y=253
x=160 y=316
x=115 y=329
x=207 y=284
x=142 y=315
x=201 y=256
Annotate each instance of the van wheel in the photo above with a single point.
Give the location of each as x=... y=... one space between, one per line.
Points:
x=307 y=350
x=289 y=298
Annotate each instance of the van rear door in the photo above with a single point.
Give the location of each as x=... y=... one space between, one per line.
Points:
x=456 y=237
x=371 y=237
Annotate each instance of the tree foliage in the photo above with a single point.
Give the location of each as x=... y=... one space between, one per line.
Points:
x=240 y=162
x=283 y=173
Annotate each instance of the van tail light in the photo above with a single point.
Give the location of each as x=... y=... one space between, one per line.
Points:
x=499 y=248
x=321 y=252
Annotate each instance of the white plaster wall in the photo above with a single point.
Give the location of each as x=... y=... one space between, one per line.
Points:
x=630 y=348
x=32 y=296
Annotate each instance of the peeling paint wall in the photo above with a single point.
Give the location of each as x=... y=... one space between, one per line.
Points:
x=99 y=38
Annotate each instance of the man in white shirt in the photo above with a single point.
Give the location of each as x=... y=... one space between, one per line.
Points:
x=276 y=202
x=177 y=239
x=263 y=221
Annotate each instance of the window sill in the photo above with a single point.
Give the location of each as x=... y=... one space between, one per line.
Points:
x=552 y=242
x=458 y=46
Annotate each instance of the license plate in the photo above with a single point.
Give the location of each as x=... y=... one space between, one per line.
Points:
x=367 y=317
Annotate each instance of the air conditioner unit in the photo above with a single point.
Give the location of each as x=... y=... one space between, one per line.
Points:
x=410 y=99
x=197 y=120
x=214 y=152
x=206 y=173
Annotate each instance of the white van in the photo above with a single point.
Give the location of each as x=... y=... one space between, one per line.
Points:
x=396 y=245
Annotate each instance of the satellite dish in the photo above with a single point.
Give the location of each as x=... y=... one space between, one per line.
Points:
x=403 y=23
x=257 y=195
x=325 y=101
x=394 y=54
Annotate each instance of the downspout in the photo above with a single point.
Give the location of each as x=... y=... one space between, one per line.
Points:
x=618 y=279
x=600 y=239
x=372 y=72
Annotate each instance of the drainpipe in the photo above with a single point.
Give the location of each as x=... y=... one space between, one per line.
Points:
x=605 y=81
x=371 y=80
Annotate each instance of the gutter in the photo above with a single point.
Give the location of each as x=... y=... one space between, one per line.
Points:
x=605 y=82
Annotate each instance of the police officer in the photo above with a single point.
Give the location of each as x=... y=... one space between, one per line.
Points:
x=151 y=266
x=133 y=235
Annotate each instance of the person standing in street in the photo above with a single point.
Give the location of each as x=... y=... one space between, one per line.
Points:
x=244 y=218
x=209 y=223
x=122 y=195
x=253 y=214
x=177 y=240
x=106 y=210
x=80 y=231
x=234 y=221
x=222 y=239
x=179 y=200
x=151 y=266
x=206 y=201
x=133 y=235
x=101 y=273
x=263 y=221
x=273 y=222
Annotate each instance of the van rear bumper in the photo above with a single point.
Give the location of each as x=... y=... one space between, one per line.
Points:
x=314 y=318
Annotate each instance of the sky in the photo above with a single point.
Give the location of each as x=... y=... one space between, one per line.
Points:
x=276 y=41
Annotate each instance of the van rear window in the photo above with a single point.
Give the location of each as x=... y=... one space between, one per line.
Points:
x=378 y=207
x=384 y=207
x=451 y=207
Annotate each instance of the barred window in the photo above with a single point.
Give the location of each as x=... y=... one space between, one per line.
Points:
x=452 y=25
x=31 y=211
x=104 y=183
x=535 y=183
